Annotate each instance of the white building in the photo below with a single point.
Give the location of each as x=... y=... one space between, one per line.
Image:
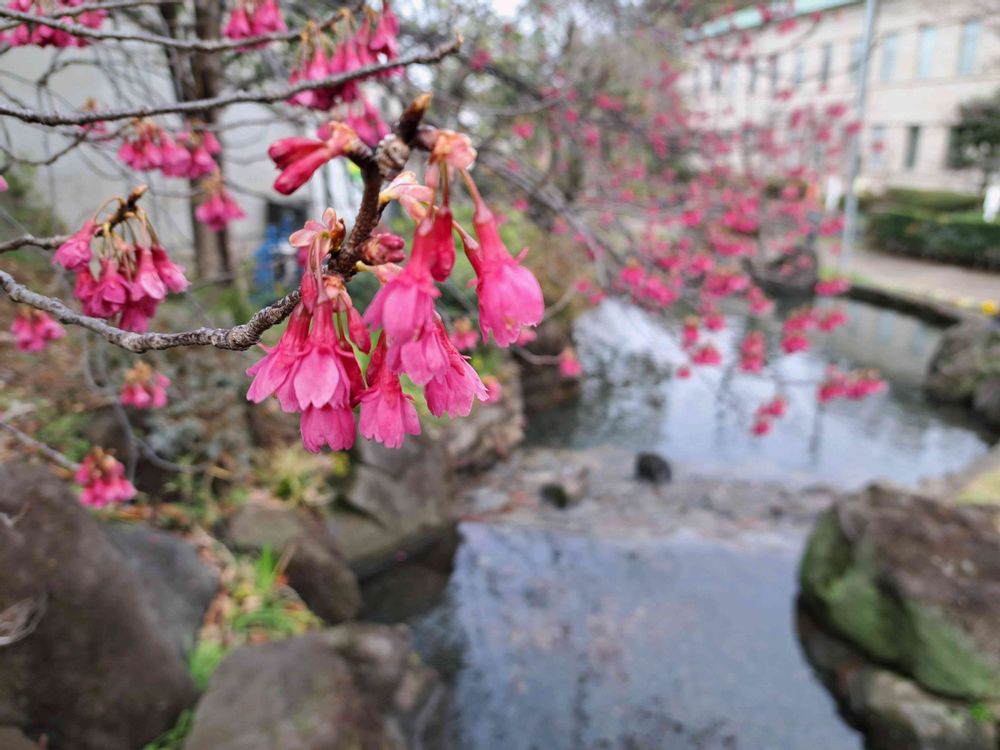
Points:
x=926 y=59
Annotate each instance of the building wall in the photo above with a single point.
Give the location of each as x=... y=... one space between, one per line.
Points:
x=896 y=102
x=78 y=183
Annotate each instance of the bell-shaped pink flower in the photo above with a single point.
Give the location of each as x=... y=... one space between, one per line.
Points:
x=272 y=373
x=103 y=480
x=109 y=294
x=327 y=373
x=387 y=414
x=147 y=284
x=441 y=244
x=299 y=158
x=145 y=388
x=509 y=294
x=268 y=19
x=238 y=25
x=454 y=391
x=34 y=329
x=331 y=426
x=404 y=307
x=74 y=254
x=169 y=272
x=384 y=39
x=218 y=210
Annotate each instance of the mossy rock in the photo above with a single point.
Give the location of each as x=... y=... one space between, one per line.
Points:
x=914 y=584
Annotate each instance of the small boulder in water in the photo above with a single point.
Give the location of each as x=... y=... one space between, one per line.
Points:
x=652 y=467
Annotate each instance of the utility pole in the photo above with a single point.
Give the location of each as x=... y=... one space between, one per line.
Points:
x=854 y=159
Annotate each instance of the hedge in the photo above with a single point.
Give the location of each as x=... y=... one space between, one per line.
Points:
x=935 y=201
x=963 y=239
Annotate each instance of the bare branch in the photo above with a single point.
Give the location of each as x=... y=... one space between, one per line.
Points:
x=26 y=240
x=236 y=97
x=237 y=338
x=42 y=449
x=192 y=45
x=65 y=12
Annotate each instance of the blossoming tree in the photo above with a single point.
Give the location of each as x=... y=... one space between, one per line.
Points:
x=666 y=209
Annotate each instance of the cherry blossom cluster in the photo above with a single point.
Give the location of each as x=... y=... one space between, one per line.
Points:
x=37 y=35
x=118 y=279
x=34 y=329
x=103 y=479
x=355 y=43
x=854 y=385
x=766 y=413
x=316 y=368
x=149 y=147
x=254 y=18
x=219 y=207
x=144 y=388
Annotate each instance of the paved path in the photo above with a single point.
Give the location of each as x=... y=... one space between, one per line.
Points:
x=966 y=287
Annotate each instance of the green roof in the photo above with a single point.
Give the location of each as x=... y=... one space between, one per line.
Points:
x=750 y=18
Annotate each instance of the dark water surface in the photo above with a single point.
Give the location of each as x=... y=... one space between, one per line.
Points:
x=564 y=642
x=558 y=641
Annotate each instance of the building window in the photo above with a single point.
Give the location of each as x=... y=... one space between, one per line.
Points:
x=826 y=62
x=889 y=44
x=857 y=55
x=912 y=146
x=799 y=71
x=925 y=51
x=967 y=47
x=878 y=147
x=752 y=81
x=954 y=158
x=775 y=63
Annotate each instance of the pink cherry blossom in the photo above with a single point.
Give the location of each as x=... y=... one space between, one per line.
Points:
x=103 y=480
x=509 y=294
x=218 y=209
x=569 y=365
x=74 y=254
x=331 y=426
x=387 y=414
x=33 y=329
x=144 y=388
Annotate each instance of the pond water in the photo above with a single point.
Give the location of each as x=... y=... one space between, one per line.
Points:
x=703 y=424
x=561 y=641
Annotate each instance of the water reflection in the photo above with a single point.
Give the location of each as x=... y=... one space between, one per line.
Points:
x=628 y=399
x=577 y=643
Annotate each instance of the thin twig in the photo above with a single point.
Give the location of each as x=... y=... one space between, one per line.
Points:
x=191 y=45
x=39 y=447
x=235 y=97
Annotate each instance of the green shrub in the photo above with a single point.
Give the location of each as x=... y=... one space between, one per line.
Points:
x=963 y=239
x=935 y=201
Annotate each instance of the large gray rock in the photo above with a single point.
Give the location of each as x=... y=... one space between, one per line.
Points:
x=83 y=660
x=351 y=687
x=913 y=583
x=893 y=711
x=316 y=569
x=986 y=399
x=177 y=585
x=394 y=499
x=966 y=368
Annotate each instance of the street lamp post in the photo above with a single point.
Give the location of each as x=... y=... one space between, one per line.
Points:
x=854 y=158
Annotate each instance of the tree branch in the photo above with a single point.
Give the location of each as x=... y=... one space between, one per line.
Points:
x=236 y=97
x=192 y=45
x=237 y=338
x=49 y=453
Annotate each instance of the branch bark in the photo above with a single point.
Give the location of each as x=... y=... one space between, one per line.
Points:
x=235 y=97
